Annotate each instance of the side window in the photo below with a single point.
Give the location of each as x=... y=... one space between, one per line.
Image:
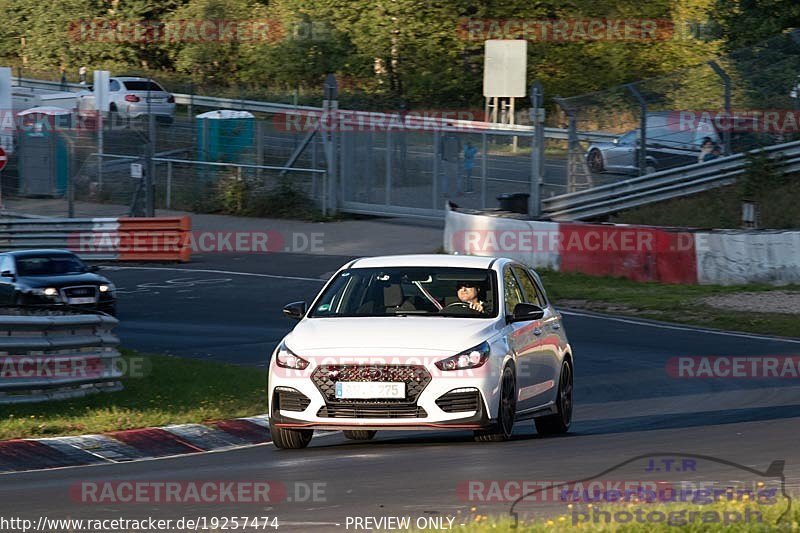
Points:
x=6 y=263
x=113 y=85
x=512 y=291
x=529 y=290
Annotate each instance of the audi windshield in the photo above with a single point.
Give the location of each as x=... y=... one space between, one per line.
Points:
x=404 y=291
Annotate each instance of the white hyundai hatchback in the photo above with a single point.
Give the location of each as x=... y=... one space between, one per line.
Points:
x=422 y=342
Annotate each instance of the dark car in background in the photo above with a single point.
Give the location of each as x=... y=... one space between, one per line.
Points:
x=48 y=277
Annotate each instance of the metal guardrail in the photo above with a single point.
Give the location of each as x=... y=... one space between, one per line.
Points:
x=50 y=354
x=660 y=186
x=60 y=233
x=102 y=239
x=257 y=106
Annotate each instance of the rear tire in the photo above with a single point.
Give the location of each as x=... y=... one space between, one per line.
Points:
x=359 y=434
x=558 y=423
x=506 y=412
x=290 y=439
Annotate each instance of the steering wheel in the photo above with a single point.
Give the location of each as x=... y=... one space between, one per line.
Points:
x=460 y=308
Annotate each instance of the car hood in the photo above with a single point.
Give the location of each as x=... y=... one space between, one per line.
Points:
x=389 y=336
x=62 y=280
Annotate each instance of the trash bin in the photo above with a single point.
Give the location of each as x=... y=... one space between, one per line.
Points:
x=516 y=202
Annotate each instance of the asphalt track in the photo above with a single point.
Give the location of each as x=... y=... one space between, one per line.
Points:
x=228 y=309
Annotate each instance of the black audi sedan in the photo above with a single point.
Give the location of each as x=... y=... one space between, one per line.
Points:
x=47 y=277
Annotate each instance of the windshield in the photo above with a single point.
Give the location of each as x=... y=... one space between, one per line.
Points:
x=403 y=291
x=48 y=265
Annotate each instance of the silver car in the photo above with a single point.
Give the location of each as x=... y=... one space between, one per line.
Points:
x=669 y=144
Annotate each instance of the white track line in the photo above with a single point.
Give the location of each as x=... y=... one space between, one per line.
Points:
x=209 y=271
x=682 y=328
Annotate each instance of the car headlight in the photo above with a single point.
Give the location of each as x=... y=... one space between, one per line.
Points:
x=472 y=358
x=106 y=287
x=286 y=359
x=50 y=292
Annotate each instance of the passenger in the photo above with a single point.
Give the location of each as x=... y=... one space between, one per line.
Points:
x=706 y=148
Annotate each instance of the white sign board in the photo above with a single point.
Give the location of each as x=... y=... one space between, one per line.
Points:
x=504 y=68
x=100 y=90
x=7 y=118
x=136 y=170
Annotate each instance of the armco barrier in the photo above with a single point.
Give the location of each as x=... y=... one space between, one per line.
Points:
x=102 y=239
x=54 y=353
x=640 y=253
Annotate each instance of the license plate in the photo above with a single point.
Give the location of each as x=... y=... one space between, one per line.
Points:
x=81 y=301
x=156 y=100
x=364 y=390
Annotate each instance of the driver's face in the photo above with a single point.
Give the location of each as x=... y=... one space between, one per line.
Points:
x=467 y=294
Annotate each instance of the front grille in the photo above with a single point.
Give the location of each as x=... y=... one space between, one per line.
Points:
x=86 y=291
x=456 y=402
x=363 y=409
x=291 y=400
x=416 y=378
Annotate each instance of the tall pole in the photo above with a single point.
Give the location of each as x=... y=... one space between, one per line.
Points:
x=726 y=82
x=151 y=167
x=537 y=150
x=642 y=159
x=330 y=113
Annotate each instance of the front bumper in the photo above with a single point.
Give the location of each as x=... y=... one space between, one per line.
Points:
x=434 y=400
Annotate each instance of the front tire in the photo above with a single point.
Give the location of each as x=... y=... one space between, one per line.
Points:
x=596 y=163
x=506 y=412
x=559 y=423
x=359 y=434
x=290 y=439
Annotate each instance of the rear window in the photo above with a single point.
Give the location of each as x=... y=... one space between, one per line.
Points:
x=143 y=86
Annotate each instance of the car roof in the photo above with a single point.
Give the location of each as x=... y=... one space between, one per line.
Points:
x=43 y=251
x=424 y=260
x=132 y=78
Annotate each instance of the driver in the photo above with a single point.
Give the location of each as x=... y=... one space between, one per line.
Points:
x=469 y=293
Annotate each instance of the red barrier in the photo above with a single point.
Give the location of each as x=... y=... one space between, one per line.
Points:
x=154 y=239
x=637 y=253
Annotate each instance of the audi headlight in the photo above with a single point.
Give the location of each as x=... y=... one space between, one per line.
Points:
x=50 y=292
x=286 y=359
x=106 y=287
x=472 y=358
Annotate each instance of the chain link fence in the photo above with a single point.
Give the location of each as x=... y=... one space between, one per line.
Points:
x=741 y=101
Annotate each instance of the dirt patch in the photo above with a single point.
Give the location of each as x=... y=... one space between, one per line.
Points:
x=783 y=302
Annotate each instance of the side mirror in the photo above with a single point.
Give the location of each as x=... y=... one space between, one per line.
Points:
x=7 y=274
x=295 y=310
x=94 y=268
x=524 y=312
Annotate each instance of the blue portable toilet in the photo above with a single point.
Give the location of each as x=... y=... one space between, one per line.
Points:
x=44 y=152
x=225 y=136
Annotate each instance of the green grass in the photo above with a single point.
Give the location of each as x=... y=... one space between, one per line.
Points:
x=667 y=302
x=172 y=391
x=770 y=514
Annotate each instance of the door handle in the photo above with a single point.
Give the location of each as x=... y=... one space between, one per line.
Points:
x=537 y=331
